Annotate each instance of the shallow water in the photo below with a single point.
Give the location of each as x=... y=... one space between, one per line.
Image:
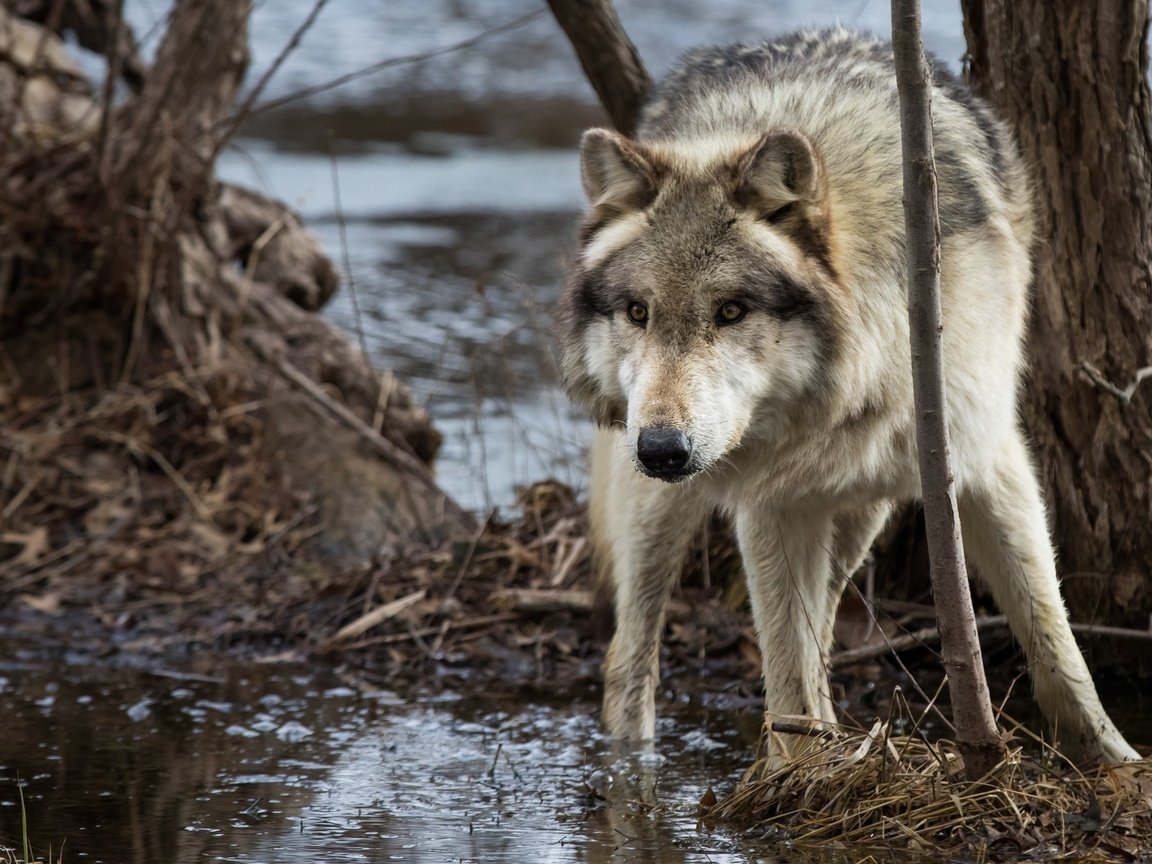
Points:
x=233 y=762
x=210 y=759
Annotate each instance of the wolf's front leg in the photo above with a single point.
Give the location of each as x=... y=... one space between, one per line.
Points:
x=787 y=561
x=1006 y=537
x=643 y=530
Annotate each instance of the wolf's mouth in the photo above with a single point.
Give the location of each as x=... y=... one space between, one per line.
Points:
x=670 y=476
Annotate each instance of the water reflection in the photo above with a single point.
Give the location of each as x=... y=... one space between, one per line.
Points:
x=253 y=763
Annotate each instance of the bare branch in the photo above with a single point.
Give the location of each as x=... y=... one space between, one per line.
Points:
x=609 y=58
x=980 y=744
x=98 y=26
x=339 y=81
x=255 y=93
x=926 y=636
x=1125 y=396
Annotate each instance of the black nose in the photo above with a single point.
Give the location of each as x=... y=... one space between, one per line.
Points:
x=663 y=451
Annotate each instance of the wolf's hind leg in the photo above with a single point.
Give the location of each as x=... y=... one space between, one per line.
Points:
x=1006 y=537
x=643 y=529
x=854 y=532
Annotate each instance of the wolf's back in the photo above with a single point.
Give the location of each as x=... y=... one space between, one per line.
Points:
x=838 y=87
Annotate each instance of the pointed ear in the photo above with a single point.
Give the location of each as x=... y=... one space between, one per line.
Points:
x=618 y=174
x=782 y=173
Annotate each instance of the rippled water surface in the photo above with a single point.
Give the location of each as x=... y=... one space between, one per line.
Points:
x=205 y=759
x=230 y=762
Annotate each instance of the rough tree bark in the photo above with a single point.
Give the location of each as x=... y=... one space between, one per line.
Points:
x=980 y=745
x=1072 y=78
x=155 y=348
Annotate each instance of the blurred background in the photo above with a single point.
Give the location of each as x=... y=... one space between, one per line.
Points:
x=447 y=187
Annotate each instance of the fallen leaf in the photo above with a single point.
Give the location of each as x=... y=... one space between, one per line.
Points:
x=707 y=800
x=49 y=604
x=35 y=543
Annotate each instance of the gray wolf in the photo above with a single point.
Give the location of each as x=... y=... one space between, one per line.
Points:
x=735 y=322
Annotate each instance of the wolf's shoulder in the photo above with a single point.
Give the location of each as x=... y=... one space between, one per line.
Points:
x=830 y=51
x=800 y=51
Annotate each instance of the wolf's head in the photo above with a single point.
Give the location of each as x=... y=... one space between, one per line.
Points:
x=704 y=294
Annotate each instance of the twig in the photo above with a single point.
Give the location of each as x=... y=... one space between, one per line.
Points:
x=392 y=454
x=564 y=568
x=411 y=635
x=799 y=729
x=137 y=446
x=916 y=639
x=115 y=17
x=263 y=240
x=34 y=478
x=146 y=254
x=465 y=562
x=384 y=390
x=1118 y=632
x=539 y=601
x=341 y=80
x=931 y=635
x=1125 y=396
x=374 y=618
x=293 y=43
x=929 y=701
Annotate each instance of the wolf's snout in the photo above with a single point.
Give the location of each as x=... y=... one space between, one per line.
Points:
x=664 y=452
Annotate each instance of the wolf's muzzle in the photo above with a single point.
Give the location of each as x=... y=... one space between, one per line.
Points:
x=664 y=452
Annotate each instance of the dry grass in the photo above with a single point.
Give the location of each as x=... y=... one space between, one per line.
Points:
x=887 y=790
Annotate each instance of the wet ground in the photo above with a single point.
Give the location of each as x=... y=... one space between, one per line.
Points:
x=448 y=191
x=245 y=762
x=209 y=759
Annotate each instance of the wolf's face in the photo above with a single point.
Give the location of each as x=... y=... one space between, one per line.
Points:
x=704 y=294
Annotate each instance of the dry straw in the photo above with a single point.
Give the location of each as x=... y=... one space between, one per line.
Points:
x=889 y=788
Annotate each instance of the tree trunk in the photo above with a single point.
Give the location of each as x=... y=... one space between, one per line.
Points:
x=1072 y=79
x=980 y=744
x=170 y=413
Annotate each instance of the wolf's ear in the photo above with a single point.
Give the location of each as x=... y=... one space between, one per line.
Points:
x=782 y=170
x=618 y=175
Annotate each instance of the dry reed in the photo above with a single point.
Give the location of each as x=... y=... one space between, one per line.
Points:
x=886 y=789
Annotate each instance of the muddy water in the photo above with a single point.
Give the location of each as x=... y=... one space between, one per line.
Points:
x=229 y=762
x=205 y=759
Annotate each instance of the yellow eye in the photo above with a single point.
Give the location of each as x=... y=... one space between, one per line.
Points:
x=730 y=313
x=638 y=314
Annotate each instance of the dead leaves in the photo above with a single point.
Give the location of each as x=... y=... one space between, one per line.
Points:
x=33 y=545
x=153 y=482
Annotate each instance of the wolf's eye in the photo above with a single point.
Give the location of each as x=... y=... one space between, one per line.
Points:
x=730 y=313
x=779 y=213
x=638 y=314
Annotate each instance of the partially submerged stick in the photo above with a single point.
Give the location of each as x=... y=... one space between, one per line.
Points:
x=980 y=744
